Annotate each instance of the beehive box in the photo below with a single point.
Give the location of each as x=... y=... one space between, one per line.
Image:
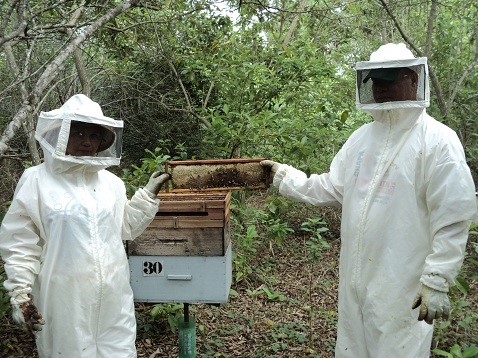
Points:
x=185 y=255
x=187 y=279
x=187 y=224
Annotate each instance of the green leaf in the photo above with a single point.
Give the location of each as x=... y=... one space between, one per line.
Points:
x=442 y=353
x=456 y=351
x=155 y=311
x=470 y=352
x=462 y=285
x=344 y=116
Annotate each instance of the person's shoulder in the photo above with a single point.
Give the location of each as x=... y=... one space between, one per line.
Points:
x=33 y=172
x=442 y=141
x=110 y=177
x=30 y=178
x=359 y=133
x=105 y=173
x=363 y=128
x=434 y=124
x=439 y=132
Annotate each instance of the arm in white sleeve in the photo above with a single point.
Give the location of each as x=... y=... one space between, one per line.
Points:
x=452 y=205
x=442 y=265
x=322 y=190
x=139 y=212
x=20 y=250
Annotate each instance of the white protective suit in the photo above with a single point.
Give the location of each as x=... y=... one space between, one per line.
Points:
x=407 y=199
x=61 y=239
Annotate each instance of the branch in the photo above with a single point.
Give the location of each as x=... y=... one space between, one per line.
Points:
x=22 y=24
x=206 y=100
x=28 y=125
x=460 y=82
x=53 y=68
x=79 y=65
x=185 y=92
x=294 y=23
x=399 y=28
x=51 y=71
x=6 y=16
x=431 y=21
x=13 y=126
x=19 y=157
x=433 y=76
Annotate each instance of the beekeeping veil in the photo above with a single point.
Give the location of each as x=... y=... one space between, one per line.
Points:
x=53 y=128
x=385 y=63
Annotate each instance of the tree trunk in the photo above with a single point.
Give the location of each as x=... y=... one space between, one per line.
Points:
x=293 y=25
x=27 y=109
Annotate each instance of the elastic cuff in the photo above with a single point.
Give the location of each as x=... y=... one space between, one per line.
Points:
x=18 y=297
x=150 y=194
x=436 y=282
x=279 y=175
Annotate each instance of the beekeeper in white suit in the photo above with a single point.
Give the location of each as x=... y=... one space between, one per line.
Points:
x=61 y=239
x=407 y=199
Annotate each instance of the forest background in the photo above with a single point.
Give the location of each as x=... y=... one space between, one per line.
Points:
x=227 y=79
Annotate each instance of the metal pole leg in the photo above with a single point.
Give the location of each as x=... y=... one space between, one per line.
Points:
x=187 y=335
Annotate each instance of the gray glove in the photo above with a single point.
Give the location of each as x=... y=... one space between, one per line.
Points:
x=273 y=166
x=433 y=304
x=156 y=181
x=26 y=314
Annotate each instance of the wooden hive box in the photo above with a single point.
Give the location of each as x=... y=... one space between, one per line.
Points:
x=187 y=224
x=185 y=255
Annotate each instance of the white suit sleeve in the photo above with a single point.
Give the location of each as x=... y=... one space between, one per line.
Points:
x=20 y=244
x=443 y=264
x=452 y=205
x=139 y=212
x=321 y=190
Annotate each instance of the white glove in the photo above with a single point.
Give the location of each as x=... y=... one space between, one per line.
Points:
x=25 y=313
x=433 y=304
x=273 y=166
x=155 y=182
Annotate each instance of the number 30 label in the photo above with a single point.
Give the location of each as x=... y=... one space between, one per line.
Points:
x=152 y=268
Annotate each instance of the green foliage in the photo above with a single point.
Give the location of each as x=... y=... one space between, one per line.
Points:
x=276 y=97
x=315 y=227
x=457 y=351
x=247 y=243
x=271 y=295
x=462 y=326
x=277 y=230
x=283 y=333
x=170 y=311
x=245 y=235
x=155 y=161
x=152 y=320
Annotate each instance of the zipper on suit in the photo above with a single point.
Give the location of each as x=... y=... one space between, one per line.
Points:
x=377 y=176
x=93 y=230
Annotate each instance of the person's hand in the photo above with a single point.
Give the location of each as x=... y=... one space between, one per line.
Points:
x=156 y=181
x=273 y=166
x=433 y=304
x=26 y=314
